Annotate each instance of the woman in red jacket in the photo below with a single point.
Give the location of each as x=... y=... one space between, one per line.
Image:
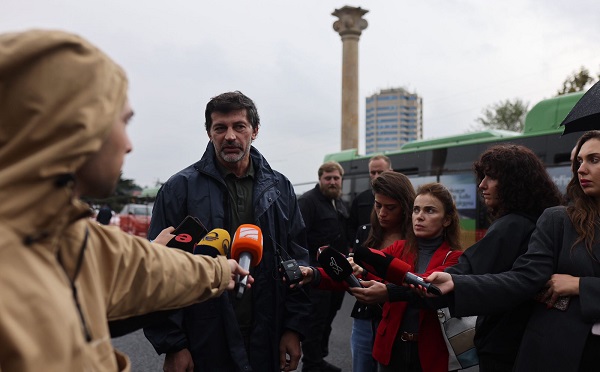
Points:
x=409 y=338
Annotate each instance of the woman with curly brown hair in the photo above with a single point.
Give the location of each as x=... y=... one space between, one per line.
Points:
x=516 y=189
x=563 y=257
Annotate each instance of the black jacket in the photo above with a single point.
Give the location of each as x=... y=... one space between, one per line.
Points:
x=498 y=335
x=324 y=224
x=553 y=340
x=362 y=310
x=209 y=329
x=360 y=212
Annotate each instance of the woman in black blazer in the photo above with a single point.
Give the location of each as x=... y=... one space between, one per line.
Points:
x=563 y=259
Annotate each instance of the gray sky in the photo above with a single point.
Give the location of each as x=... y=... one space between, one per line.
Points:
x=460 y=56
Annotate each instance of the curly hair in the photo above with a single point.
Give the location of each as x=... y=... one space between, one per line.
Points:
x=583 y=212
x=452 y=231
x=524 y=185
x=398 y=187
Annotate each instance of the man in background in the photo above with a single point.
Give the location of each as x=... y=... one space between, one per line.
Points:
x=232 y=185
x=362 y=205
x=104 y=215
x=325 y=216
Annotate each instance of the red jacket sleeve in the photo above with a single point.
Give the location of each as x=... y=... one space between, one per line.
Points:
x=330 y=284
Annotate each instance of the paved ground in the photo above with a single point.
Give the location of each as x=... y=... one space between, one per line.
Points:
x=144 y=359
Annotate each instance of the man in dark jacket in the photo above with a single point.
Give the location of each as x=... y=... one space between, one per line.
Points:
x=231 y=185
x=326 y=217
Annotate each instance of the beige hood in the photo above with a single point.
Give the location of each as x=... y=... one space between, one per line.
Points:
x=59 y=96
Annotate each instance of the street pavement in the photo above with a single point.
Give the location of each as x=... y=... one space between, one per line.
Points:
x=144 y=358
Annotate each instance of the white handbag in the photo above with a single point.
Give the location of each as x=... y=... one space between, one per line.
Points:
x=458 y=334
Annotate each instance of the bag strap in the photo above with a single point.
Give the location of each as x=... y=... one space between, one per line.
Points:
x=445 y=258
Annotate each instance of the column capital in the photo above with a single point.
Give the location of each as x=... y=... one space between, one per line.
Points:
x=350 y=22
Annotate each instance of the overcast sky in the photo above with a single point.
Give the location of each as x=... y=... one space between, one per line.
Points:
x=460 y=56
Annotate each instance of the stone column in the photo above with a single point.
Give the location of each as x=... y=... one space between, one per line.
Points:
x=350 y=26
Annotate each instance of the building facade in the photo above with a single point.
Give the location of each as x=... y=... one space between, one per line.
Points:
x=393 y=118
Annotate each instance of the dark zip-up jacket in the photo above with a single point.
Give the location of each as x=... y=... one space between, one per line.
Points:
x=325 y=224
x=209 y=330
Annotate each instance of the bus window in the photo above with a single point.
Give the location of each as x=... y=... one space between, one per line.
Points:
x=561 y=177
x=418 y=181
x=346 y=187
x=464 y=191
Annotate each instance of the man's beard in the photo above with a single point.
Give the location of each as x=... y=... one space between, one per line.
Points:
x=331 y=192
x=233 y=158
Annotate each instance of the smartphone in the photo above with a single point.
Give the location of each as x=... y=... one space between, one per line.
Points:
x=189 y=232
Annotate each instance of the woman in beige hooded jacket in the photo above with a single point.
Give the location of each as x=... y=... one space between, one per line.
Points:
x=63 y=111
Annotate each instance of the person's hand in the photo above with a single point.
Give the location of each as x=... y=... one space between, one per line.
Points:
x=441 y=280
x=236 y=269
x=289 y=351
x=356 y=269
x=373 y=292
x=180 y=361
x=560 y=285
x=308 y=275
x=165 y=236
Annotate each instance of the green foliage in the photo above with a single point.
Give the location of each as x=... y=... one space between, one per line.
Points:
x=125 y=192
x=504 y=115
x=576 y=82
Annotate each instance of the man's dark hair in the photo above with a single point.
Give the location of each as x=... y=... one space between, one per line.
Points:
x=230 y=102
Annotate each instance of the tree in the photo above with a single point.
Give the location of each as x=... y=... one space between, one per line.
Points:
x=124 y=193
x=504 y=115
x=126 y=186
x=576 y=82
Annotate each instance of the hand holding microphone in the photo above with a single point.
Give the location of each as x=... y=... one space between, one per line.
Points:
x=164 y=236
x=391 y=269
x=247 y=249
x=413 y=279
x=236 y=271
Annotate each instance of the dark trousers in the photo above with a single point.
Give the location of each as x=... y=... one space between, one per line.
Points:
x=590 y=360
x=491 y=364
x=405 y=357
x=335 y=304
x=323 y=309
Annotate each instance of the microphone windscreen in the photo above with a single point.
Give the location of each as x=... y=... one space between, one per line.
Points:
x=381 y=264
x=248 y=238
x=335 y=264
x=215 y=243
x=189 y=231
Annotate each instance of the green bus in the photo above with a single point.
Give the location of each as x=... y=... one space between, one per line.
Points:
x=449 y=160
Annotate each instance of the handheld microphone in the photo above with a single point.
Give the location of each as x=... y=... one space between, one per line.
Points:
x=215 y=243
x=337 y=267
x=247 y=249
x=411 y=278
x=189 y=231
x=390 y=268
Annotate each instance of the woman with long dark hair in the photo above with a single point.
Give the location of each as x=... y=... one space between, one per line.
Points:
x=409 y=336
x=562 y=259
x=390 y=221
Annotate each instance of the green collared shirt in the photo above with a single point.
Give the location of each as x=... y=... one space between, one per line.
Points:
x=240 y=204
x=240 y=195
